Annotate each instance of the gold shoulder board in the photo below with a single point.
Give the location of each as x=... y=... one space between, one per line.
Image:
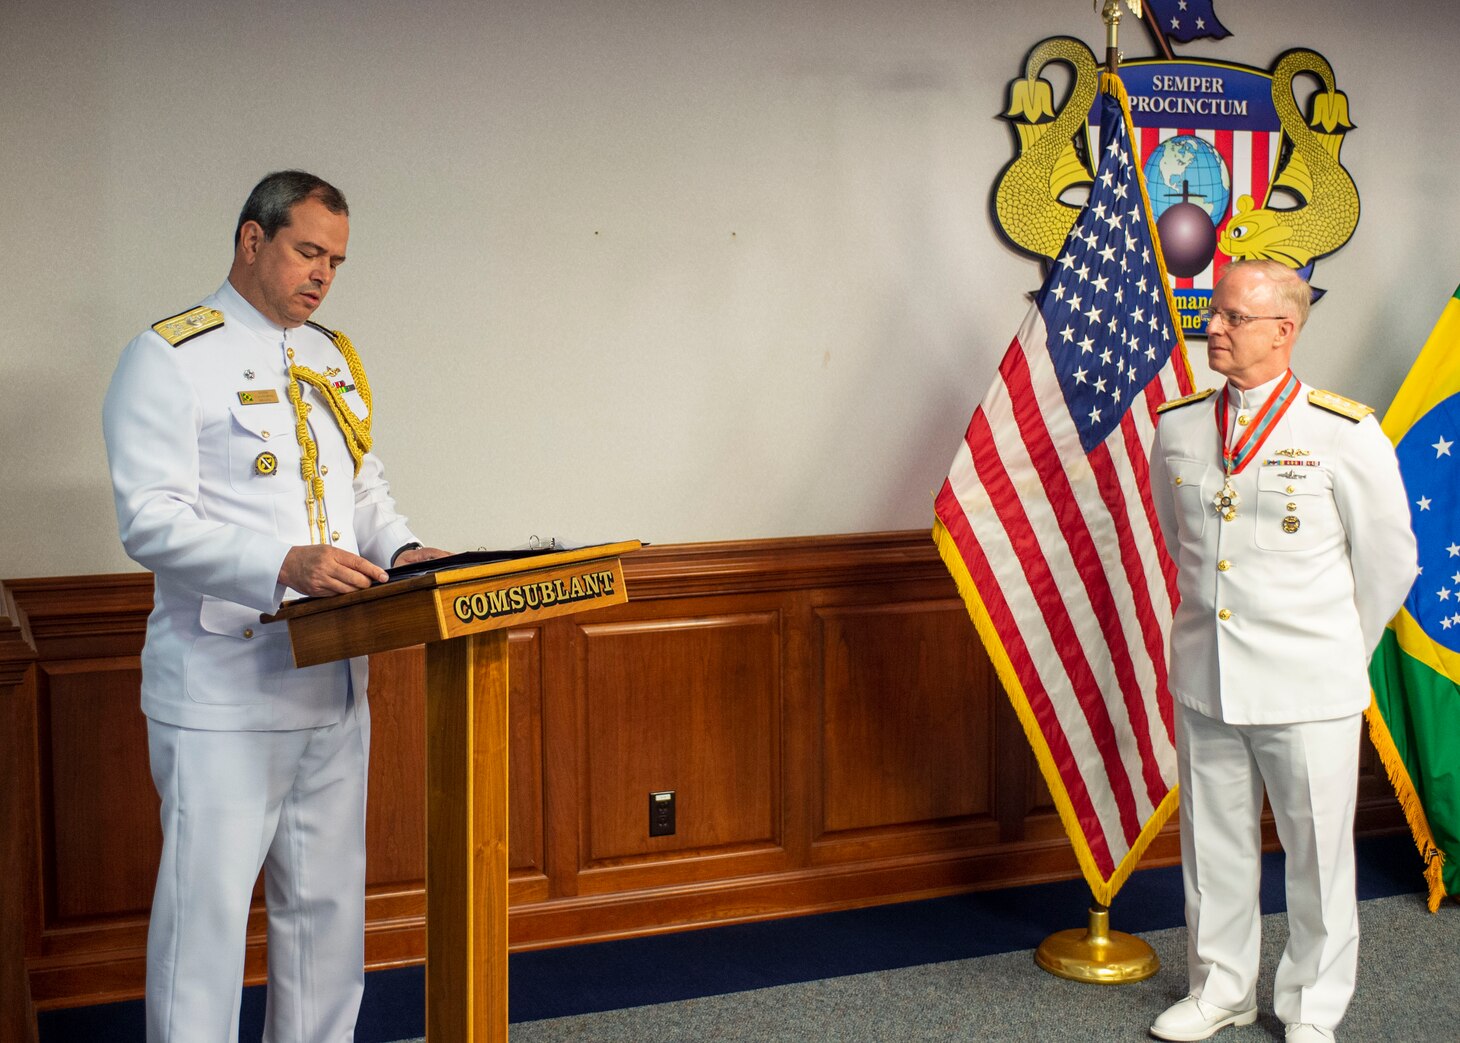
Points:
x=188 y=325
x=1177 y=403
x=1344 y=407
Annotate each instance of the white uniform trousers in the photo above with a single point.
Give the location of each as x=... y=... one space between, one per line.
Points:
x=1310 y=770
x=294 y=802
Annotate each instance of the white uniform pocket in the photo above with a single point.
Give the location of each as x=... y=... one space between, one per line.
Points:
x=238 y=660
x=1295 y=508
x=1193 y=484
x=263 y=454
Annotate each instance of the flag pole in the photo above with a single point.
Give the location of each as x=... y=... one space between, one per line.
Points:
x=1110 y=14
x=1097 y=954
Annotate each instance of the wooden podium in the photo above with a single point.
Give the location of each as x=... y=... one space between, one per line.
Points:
x=461 y=616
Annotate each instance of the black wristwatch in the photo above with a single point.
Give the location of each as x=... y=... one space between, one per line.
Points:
x=401 y=550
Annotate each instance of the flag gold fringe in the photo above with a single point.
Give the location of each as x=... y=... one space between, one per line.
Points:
x=1414 y=812
x=1102 y=888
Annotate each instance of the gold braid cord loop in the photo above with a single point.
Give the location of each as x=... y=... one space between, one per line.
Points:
x=308 y=465
x=356 y=430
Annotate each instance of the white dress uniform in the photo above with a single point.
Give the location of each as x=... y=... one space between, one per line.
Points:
x=256 y=762
x=1281 y=607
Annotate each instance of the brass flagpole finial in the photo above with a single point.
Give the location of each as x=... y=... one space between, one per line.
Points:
x=1110 y=13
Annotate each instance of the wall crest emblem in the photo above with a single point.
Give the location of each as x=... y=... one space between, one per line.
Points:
x=1239 y=162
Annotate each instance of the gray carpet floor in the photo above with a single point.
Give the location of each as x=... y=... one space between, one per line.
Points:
x=1407 y=993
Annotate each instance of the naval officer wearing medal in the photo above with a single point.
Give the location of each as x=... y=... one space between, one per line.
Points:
x=238 y=436
x=1284 y=511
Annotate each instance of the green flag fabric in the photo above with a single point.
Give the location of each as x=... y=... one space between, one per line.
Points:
x=1414 y=720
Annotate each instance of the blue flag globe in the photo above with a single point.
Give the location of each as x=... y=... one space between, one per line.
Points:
x=1188 y=162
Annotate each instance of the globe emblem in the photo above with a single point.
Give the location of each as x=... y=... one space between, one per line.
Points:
x=1190 y=188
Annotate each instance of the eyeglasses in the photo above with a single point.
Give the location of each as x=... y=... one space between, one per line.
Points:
x=1232 y=318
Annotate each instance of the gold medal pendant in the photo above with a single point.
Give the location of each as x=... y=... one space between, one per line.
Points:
x=1226 y=501
x=1259 y=428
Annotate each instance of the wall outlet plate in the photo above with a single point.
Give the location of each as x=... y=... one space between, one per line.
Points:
x=661 y=813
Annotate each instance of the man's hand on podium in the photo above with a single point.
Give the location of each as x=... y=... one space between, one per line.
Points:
x=319 y=570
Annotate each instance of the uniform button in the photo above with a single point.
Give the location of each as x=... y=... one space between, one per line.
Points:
x=1292 y=506
x=1178 y=480
x=1223 y=565
x=325 y=469
x=335 y=536
x=1225 y=614
x=1291 y=490
x=265 y=434
x=1242 y=420
x=248 y=632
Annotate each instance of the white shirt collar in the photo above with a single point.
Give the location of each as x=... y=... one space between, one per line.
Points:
x=233 y=303
x=1252 y=398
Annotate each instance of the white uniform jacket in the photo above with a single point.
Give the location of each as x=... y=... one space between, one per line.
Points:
x=1282 y=606
x=197 y=508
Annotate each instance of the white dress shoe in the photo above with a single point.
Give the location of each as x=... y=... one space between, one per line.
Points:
x=1193 y=1018
x=1308 y=1034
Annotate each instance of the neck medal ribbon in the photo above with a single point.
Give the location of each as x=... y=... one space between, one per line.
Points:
x=1238 y=456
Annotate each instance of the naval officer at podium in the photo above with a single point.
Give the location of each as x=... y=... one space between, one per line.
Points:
x=238 y=436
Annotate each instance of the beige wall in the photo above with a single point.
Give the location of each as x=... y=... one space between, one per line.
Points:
x=669 y=269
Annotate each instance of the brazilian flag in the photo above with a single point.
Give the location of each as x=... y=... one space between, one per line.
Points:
x=1415 y=717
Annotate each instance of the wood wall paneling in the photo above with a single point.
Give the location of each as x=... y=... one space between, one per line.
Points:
x=906 y=711
x=395 y=827
x=688 y=704
x=17 y=806
x=101 y=852
x=525 y=812
x=821 y=707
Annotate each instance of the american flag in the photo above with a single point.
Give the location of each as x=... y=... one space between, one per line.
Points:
x=1187 y=20
x=1046 y=520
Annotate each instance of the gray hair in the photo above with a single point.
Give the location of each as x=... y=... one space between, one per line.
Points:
x=1292 y=289
x=277 y=194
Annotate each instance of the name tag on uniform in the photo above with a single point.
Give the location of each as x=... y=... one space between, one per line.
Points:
x=258 y=398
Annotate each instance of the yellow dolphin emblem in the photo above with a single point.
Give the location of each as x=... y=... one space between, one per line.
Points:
x=1330 y=209
x=1027 y=200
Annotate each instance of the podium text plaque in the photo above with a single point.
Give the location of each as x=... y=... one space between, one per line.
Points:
x=461 y=616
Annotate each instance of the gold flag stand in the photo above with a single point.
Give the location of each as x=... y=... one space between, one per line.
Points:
x=1098 y=954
